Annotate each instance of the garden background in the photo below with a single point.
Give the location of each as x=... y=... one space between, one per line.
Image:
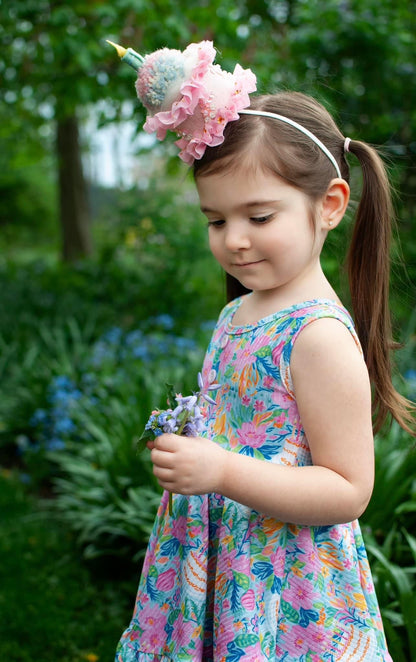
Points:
x=108 y=289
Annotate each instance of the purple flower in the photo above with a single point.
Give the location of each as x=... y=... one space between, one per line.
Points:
x=186 y=418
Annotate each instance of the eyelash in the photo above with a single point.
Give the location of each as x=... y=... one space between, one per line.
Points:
x=255 y=219
x=261 y=219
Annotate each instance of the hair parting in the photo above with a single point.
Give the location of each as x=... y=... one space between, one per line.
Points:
x=277 y=147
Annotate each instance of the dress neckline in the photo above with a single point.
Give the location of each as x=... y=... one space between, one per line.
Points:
x=242 y=328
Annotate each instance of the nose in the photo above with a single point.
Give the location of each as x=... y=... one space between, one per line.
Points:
x=236 y=237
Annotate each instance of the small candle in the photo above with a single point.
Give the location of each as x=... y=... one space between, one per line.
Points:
x=128 y=55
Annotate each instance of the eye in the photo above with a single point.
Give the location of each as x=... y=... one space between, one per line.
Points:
x=261 y=219
x=215 y=224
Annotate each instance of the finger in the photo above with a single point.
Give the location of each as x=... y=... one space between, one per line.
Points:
x=167 y=442
x=161 y=458
x=163 y=474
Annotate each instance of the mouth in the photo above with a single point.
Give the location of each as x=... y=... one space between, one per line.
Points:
x=243 y=265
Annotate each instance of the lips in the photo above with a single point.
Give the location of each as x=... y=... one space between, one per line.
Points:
x=246 y=264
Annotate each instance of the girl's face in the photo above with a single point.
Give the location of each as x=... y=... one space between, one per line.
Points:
x=260 y=230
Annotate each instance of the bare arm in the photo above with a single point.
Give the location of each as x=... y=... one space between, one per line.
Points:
x=334 y=400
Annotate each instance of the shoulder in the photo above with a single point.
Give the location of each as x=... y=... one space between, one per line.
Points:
x=326 y=355
x=321 y=323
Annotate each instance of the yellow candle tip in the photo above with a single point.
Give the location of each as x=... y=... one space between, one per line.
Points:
x=120 y=50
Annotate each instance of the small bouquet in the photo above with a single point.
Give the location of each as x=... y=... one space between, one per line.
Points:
x=183 y=418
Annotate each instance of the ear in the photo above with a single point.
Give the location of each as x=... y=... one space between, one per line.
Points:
x=334 y=203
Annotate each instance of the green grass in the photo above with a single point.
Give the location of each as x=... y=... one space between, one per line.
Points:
x=53 y=606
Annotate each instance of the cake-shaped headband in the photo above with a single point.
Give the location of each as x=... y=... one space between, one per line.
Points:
x=187 y=93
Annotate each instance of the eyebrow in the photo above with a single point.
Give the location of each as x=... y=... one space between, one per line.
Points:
x=246 y=205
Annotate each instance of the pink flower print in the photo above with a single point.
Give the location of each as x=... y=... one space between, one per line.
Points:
x=245 y=400
x=152 y=621
x=278 y=559
x=335 y=534
x=179 y=528
x=206 y=371
x=279 y=421
x=281 y=397
x=166 y=580
x=245 y=357
x=300 y=593
x=250 y=435
x=277 y=352
x=152 y=640
x=296 y=641
x=185 y=632
x=268 y=382
x=194 y=531
x=259 y=405
x=248 y=600
x=226 y=356
x=320 y=636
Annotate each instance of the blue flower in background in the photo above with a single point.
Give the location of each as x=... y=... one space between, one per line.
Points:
x=113 y=336
x=55 y=445
x=140 y=352
x=209 y=325
x=62 y=383
x=164 y=321
x=64 y=425
x=184 y=344
x=410 y=377
x=115 y=358
x=134 y=337
x=39 y=417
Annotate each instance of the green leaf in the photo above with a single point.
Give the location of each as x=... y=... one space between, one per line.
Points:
x=291 y=614
x=244 y=640
x=173 y=615
x=146 y=435
x=263 y=352
x=171 y=395
x=241 y=579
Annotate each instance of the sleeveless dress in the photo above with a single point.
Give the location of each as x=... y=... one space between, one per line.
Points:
x=224 y=583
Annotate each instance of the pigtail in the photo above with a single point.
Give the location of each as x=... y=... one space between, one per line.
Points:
x=368 y=264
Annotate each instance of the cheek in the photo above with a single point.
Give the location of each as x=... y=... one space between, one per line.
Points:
x=215 y=245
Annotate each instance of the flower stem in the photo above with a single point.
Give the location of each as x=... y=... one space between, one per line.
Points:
x=179 y=431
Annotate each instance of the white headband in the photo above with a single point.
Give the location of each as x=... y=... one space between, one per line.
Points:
x=282 y=118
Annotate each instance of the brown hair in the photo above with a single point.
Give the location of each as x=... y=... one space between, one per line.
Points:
x=285 y=151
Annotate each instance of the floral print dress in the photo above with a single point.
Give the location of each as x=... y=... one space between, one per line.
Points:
x=224 y=583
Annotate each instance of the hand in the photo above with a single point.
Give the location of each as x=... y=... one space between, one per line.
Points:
x=187 y=465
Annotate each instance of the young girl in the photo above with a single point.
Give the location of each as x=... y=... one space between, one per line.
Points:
x=263 y=558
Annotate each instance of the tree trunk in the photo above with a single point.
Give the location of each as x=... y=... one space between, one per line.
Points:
x=73 y=199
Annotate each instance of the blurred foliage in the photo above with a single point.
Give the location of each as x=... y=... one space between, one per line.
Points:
x=73 y=611
x=357 y=57
x=85 y=349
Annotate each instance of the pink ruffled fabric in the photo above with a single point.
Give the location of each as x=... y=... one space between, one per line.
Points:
x=207 y=100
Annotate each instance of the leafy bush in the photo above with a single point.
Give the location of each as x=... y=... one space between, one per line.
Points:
x=54 y=606
x=388 y=526
x=84 y=421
